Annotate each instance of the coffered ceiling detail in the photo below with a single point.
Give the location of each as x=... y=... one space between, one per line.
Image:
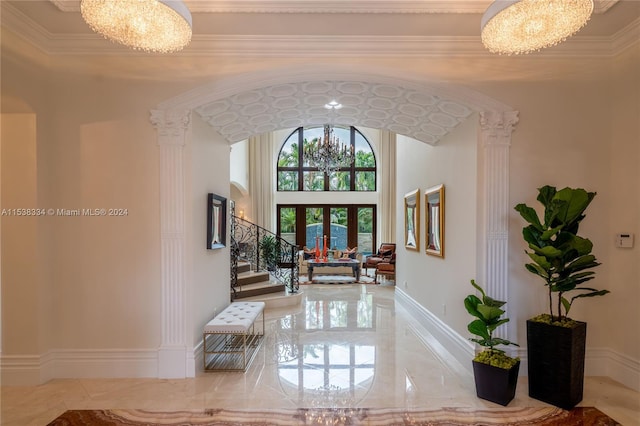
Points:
x=420 y=115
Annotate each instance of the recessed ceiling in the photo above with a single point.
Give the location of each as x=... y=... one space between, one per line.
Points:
x=417 y=114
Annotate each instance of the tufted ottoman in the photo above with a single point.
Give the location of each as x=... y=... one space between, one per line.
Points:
x=230 y=340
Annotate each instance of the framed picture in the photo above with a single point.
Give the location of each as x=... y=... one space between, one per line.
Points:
x=412 y=220
x=216 y=221
x=434 y=218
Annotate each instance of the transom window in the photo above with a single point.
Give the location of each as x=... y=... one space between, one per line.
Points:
x=296 y=174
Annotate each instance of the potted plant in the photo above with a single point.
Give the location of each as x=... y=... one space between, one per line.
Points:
x=563 y=260
x=270 y=250
x=495 y=373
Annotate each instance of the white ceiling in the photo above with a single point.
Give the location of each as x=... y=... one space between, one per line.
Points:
x=439 y=37
x=225 y=26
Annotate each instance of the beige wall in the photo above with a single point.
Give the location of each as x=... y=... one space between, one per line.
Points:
x=440 y=284
x=209 y=279
x=98 y=278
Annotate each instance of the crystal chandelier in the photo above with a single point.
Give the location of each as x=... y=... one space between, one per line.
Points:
x=523 y=26
x=329 y=154
x=151 y=25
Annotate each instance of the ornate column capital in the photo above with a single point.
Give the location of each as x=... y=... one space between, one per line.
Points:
x=171 y=125
x=496 y=127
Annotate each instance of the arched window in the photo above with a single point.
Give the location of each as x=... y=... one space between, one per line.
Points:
x=296 y=174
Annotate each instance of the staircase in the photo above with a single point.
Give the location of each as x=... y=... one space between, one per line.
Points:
x=254 y=283
x=261 y=262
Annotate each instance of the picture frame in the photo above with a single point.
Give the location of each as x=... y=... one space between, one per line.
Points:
x=434 y=220
x=216 y=221
x=412 y=220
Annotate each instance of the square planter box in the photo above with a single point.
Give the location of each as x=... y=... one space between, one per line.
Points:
x=556 y=363
x=495 y=384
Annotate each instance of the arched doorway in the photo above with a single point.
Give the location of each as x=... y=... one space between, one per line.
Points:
x=252 y=104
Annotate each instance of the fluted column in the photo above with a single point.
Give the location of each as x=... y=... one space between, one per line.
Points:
x=173 y=356
x=495 y=139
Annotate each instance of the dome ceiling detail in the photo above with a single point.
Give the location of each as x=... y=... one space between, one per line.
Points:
x=419 y=115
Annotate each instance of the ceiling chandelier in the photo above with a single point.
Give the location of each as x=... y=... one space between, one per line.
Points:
x=523 y=26
x=329 y=154
x=151 y=25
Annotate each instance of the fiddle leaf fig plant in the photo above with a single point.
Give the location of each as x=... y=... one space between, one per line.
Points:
x=488 y=313
x=560 y=257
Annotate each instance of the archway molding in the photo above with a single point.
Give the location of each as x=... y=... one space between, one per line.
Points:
x=172 y=121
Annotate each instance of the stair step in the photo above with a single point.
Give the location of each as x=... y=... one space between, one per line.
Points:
x=243 y=267
x=281 y=299
x=258 y=288
x=251 y=277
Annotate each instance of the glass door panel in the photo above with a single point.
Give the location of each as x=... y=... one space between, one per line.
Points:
x=288 y=224
x=365 y=230
x=339 y=229
x=314 y=226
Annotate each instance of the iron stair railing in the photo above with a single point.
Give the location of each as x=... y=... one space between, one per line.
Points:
x=265 y=251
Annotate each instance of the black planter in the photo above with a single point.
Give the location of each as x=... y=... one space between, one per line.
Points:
x=495 y=384
x=556 y=363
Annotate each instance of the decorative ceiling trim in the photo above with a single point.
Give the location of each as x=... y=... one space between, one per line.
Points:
x=334 y=6
x=415 y=113
x=308 y=46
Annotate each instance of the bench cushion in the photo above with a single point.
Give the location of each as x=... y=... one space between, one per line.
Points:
x=235 y=318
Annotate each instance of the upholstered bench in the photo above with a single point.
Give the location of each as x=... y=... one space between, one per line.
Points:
x=231 y=340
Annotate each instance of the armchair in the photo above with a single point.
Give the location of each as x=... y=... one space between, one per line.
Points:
x=384 y=254
x=387 y=269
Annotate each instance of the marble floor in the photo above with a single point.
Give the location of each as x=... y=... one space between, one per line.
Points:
x=344 y=346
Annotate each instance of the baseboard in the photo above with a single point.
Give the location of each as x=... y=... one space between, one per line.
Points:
x=439 y=335
x=30 y=370
x=598 y=361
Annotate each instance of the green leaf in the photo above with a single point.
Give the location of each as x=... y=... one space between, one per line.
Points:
x=548 y=251
x=477 y=287
x=546 y=235
x=495 y=325
x=478 y=328
x=532 y=235
x=499 y=341
x=535 y=269
x=530 y=215
x=471 y=303
x=546 y=194
x=540 y=260
x=489 y=312
x=575 y=203
x=592 y=294
x=566 y=304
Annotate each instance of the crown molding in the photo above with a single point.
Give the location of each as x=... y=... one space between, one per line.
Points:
x=625 y=38
x=334 y=6
x=309 y=46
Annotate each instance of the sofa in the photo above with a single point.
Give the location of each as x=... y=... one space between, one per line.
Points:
x=333 y=270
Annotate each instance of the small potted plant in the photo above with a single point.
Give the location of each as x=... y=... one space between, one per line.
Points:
x=562 y=259
x=495 y=372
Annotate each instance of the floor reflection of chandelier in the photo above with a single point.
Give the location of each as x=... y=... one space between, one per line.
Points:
x=329 y=154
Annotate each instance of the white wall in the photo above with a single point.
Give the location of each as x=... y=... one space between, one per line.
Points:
x=440 y=284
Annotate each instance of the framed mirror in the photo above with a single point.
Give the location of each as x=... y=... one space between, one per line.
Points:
x=216 y=221
x=434 y=220
x=412 y=220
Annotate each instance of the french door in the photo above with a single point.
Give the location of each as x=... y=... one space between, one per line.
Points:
x=344 y=225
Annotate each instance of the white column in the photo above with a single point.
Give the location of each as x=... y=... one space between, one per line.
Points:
x=387 y=171
x=173 y=358
x=495 y=139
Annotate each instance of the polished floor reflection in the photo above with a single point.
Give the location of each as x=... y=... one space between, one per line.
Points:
x=344 y=346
